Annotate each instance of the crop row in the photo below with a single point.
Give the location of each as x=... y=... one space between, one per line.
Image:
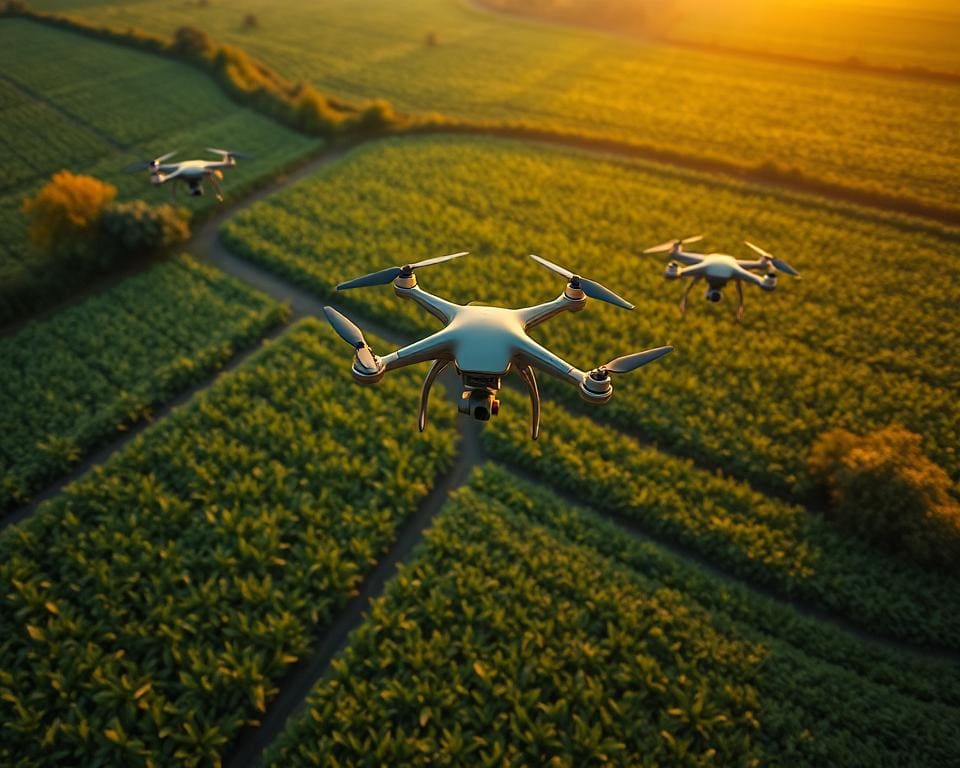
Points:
x=72 y=381
x=845 y=346
x=890 y=135
x=507 y=641
x=95 y=107
x=796 y=553
x=150 y=610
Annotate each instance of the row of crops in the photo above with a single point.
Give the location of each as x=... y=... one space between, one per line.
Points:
x=71 y=382
x=797 y=554
x=845 y=346
x=528 y=632
x=150 y=610
x=67 y=101
x=895 y=136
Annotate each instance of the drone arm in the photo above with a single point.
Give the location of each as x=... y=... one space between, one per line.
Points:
x=533 y=316
x=526 y=373
x=437 y=346
x=442 y=309
x=742 y=274
x=537 y=356
x=687 y=259
x=758 y=264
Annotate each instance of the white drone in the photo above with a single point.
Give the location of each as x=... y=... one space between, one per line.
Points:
x=190 y=172
x=718 y=269
x=484 y=342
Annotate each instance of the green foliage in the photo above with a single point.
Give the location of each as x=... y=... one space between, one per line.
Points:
x=836 y=349
x=508 y=641
x=76 y=380
x=140 y=228
x=891 y=137
x=121 y=105
x=151 y=609
x=764 y=541
x=883 y=488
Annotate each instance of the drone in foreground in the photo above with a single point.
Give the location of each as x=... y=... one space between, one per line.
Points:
x=190 y=172
x=718 y=269
x=485 y=342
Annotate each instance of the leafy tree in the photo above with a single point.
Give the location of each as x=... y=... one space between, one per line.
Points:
x=141 y=228
x=63 y=214
x=883 y=487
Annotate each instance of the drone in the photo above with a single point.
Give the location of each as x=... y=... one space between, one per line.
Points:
x=718 y=269
x=485 y=342
x=191 y=172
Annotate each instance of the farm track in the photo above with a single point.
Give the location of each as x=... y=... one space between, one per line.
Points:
x=250 y=743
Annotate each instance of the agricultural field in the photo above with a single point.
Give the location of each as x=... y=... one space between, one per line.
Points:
x=67 y=101
x=761 y=540
x=150 y=610
x=895 y=33
x=888 y=135
x=529 y=631
x=73 y=381
x=845 y=346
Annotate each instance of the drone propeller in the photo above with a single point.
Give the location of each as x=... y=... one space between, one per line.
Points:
x=227 y=153
x=628 y=363
x=144 y=164
x=591 y=288
x=390 y=274
x=349 y=332
x=778 y=263
x=672 y=244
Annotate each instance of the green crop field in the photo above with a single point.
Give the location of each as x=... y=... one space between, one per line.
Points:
x=844 y=346
x=526 y=631
x=150 y=610
x=72 y=381
x=67 y=101
x=890 y=135
x=784 y=547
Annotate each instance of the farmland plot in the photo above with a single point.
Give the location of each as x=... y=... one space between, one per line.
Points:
x=849 y=345
x=71 y=382
x=526 y=631
x=150 y=610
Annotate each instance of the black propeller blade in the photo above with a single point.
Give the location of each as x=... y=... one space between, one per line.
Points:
x=778 y=263
x=390 y=274
x=591 y=288
x=348 y=331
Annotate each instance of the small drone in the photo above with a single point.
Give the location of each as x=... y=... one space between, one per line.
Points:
x=484 y=342
x=718 y=269
x=191 y=172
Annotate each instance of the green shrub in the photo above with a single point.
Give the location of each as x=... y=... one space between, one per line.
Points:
x=884 y=488
x=142 y=228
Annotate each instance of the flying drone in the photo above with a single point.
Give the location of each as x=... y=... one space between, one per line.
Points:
x=190 y=172
x=718 y=269
x=485 y=342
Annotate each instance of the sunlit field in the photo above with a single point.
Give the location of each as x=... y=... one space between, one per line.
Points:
x=225 y=542
x=893 y=135
x=843 y=346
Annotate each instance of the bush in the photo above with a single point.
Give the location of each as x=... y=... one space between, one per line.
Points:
x=62 y=216
x=250 y=21
x=882 y=487
x=141 y=228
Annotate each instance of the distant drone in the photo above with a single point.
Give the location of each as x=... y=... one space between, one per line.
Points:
x=190 y=172
x=718 y=269
x=484 y=342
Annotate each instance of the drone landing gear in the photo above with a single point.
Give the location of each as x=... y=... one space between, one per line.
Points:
x=435 y=370
x=526 y=373
x=740 y=307
x=686 y=292
x=217 y=189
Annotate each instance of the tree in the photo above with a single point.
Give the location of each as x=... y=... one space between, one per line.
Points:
x=141 y=229
x=64 y=213
x=882 y=487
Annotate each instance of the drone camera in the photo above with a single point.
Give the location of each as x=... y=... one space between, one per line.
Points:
x=479 y=403
x=714 y=295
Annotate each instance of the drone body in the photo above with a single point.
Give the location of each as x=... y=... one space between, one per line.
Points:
x=485 y=343
x=717 y=269
x=189 y=172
